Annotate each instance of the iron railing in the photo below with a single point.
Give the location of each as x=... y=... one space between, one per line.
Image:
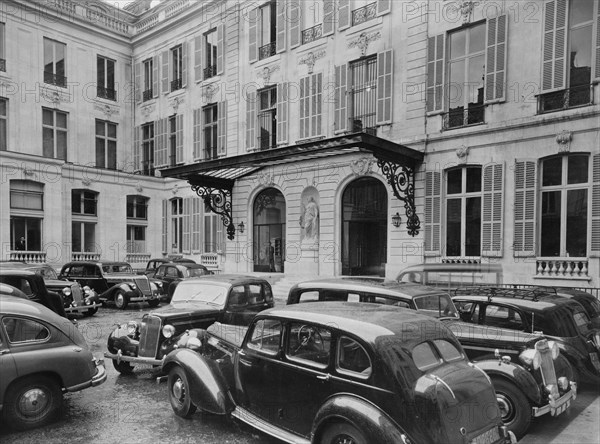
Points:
x=55 y=79
x=364 y=14
x=567 y=98
x=267 y=50
x=312 y=34
x=106 y=93
x=147 y=95
x=461 y=116
x=176 y=84
x=148 y=168
x=210 y=71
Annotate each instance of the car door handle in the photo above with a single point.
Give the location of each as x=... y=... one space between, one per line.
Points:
x=323 y=377
x=4 y=352
x=245 y=362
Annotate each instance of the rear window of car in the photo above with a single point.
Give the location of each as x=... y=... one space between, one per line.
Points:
x=21 y=330
x=437 y=305
x=427 y=355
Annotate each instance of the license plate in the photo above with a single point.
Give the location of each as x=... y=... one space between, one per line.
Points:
x=595 y=360
x=489 y=437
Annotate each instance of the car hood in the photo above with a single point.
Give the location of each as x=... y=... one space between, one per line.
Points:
x=57 y=283
x=186 y=309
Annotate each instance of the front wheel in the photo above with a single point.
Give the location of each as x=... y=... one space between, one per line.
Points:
x=514 y=407
x=342 y=433
x=121 y=300
x=32 y=402
x=123 y=367
x=179 y=393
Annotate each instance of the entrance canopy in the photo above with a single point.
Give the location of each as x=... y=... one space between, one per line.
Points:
x=213 y=180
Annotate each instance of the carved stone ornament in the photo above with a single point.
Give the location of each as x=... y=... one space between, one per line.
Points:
x=28 y=172
x=363 y=40
x=175 y=103
x=209 y=92
x=53 y=96
x=362 y=166
x=139 y=188
x=86 y=182
x=266 y=179
x=266 y=73
x=462 y=152
x=310 y=59
x=108 y=110
x=564 y=141
x=147 y=110
x=175 y=189
x=465 y=8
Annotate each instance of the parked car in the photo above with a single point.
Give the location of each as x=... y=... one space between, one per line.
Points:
x=76 y=299
x=530 y=377
x=42 y=355
x=170 y=274
x=9 y=290
x=337 y=373
x=196 y=303
x=115 y=282
x=153 y=264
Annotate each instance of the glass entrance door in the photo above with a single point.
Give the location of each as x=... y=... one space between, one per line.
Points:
x=269 y=231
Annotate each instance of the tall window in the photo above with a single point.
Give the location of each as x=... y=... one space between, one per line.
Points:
x=2 y=48
x=210 y=131
x=54 y=62
x=267 y=118
x=137 y=216
x=564 y=211
x=3 y=124
x=136 y=239
x=26 y=215
x=84 y=210
x=177 y=65
x=267 y=30
x=210 y=49
x=106 y=78
x=312 y=17
x=148 y=149
x=463 y=212
x=363 y=94
x=84 y=202
x=364 y=10
x=54 y=133
x=148 y=93
x=176 y=225
x=106 y=145
x=466 y=70
x=213 y=232
x=172 y=141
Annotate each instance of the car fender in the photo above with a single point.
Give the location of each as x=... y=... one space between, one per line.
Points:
x=126 y=288
x=119 y=339
x=366 y=417
x=514 y=373
x=207 y=385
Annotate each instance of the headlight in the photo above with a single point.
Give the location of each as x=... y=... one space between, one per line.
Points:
x=553 y=346
x=66 y=291
x=531 y=358
x=133 y=286
x=158 y=284
x=168 y=331
x=132 y=327
x=87 y=290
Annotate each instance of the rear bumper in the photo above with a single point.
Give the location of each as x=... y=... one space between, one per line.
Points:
x=96 y=380
x=120 y=357
x=559 y=406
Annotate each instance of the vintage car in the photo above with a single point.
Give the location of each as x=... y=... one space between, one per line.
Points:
x=196 y=303
x=115 y=282
x=170 y=274
x=9 y=290
x=42 y=355
x=153 y=264
x=336 y=372
x=530 y=376
x=561 y=319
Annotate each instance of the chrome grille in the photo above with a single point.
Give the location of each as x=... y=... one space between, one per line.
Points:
x=143 y=284
x=149 y=337
x=547 y=364
x=76 y=293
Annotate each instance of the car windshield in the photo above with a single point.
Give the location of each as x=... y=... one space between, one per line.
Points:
x=46 y=272
x=200 y=292
x=117 y=268
x=437 y=305
x=194 y=272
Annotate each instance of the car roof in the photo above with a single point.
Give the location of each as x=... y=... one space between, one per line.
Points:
x=100 y=262
x=16 y=271
x=223 y=279
x=14 y=305
x=452 y=267
x=385 y=287
x=183 y=264
x=542 y=303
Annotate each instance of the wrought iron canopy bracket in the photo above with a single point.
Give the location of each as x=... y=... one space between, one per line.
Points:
x=219 y=202
x=402 y=180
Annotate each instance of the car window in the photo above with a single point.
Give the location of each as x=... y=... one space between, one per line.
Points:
x=91 y=271
x=171 y=272
x=424 y=356
x=309 y=296
x=160 y=272
x=436 y=305
x=21 y=330
x=195 y=272
x=504 y=317
x=352 y=357
x=238 y=297
x=265 y=336
x=255 y=294
x=309 y=344
x=469 y=311
x=47 y=272
x=18 y=282
x=447 y=350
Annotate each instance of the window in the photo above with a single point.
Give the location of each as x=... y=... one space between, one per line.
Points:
x=177 y=225
x=267 y=37
x=352 y=358
x=267 y=118
x=265 y=337
x=148 y=149
x=312 y=16
x=172 y=140
x=137 y=207
x=364 y=11
x=26 y=215
x=210 y=131
x=84 y=202
x=309 y=344
x=564 y=207
x=26 y=233
x=2 y=48
x=210 y=50
x=54 y=63
x=425 y=357
x=84 y=207
x=177 y=68
x=136 y=239
x=213 y=232
x=26 y=195
x=54 y=134
x=106 y=78
x=363 y=94
x=106 y=145
x=311 y=105
x=463 y=211
x=148 y=79
x=466 y=72
x=24 y=330
x=83 y=236
x=3 y=124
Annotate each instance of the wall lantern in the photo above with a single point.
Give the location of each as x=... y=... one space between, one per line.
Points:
x=241 y=227
x=396 y=219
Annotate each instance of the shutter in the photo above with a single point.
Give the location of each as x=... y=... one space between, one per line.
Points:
x=155 y=76
x=525 y=207
x=221 y=128
x=435 y=73
x=433 y=212
x=253 y=35
x=343 y=14
x=184 y=64
x=295 y=21
x=328 y=17
x=597 y=52
x=384 y=6
x=165 y=224
x=160 y=143
x=165 y=72
x=554 y=62
x=251 y=121
x=317 y=105
x=385 y=61
x=220 y=49
x=304 y=107
x=282 y=113
x=179 y=138
x=341 y=98
x=281 y=28
x=198 y=43
x=595 y=237
x=196 y=215
x=197 y=134
x=495 y=75
x=187 y=215
x=492 y=217
x=138 y=82
x=137 y=149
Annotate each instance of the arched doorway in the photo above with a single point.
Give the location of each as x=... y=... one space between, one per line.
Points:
x=364 y=228
x=269 y=231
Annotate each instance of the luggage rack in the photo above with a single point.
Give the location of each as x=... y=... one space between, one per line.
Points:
x=532 y=294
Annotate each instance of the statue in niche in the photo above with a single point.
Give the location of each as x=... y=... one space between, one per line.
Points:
x=310 y=221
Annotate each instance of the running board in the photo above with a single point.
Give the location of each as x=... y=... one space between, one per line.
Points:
x=260 y=424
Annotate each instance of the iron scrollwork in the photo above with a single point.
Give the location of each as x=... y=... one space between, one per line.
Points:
x=401 y=178
x=219 y=202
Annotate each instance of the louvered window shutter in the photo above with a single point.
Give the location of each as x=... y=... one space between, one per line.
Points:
x=496 y=57
x=137 y=148
x=304 y=107
x=179 y=138
x=295 y=21
x=138 y=82
x=329 y=17
x=197 y=134
x=597 y=52
x=187 y=216
x=196 y=216
x=165 y=72
x=282 y=113
x=384 y=6
x=317 y=105
x=184 y=64
x=343 y=14
x=222 y=128
x=220 y=49
x=281 y=25
x=435 y=73
x=341 y=99
x=525 y=207
x=155 y=76
x=251 y=121
x=385 y=61
x=160 y=147
x=198 y=43
x=165 y=224
x=253 y=35
x=493 y=210
x=595 y=238
x=554 y=62
x=433 y=212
